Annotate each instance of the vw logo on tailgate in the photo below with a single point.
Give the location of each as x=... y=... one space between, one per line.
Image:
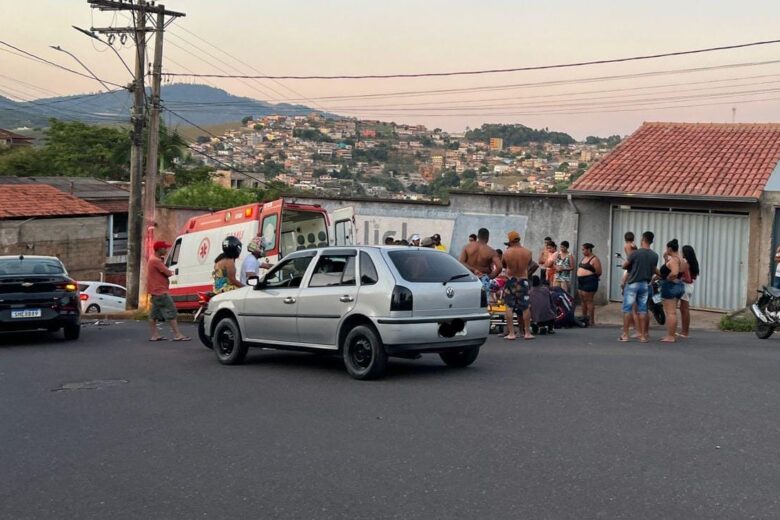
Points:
x=450 y=292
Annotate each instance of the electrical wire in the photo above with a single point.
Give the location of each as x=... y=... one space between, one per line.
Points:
x=498 y=71
x=34 y=57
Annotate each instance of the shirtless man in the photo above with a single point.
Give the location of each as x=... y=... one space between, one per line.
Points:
x=516 y=292
x=481 y=259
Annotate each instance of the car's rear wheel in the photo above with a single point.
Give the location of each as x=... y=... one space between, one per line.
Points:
x=204 y=338
x=72 y=331
x=228 y=345
x=364 y=355
x=92 y=309
x=460 y=358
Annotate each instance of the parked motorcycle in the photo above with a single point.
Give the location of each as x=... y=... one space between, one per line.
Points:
x=655 y=303
x=767 y=312
x=203 y=303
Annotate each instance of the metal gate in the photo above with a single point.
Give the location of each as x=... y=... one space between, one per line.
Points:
x=720 y=242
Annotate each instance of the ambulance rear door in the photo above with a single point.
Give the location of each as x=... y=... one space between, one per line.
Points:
x=343 y=227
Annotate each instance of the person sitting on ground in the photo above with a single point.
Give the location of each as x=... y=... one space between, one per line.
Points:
x=542 y=306
x=225 y=266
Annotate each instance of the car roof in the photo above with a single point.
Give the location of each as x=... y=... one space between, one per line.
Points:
x=30 y=257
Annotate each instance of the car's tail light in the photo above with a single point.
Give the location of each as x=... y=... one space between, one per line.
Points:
x=84 y=297
x=203 y=298
x=69 y=287
x=483 y=299
x=402 y=299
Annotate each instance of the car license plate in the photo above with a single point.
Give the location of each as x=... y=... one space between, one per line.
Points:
x=656 y=298
x=26 y=313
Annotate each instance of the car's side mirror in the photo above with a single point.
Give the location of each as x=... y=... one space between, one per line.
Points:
x=254 y=281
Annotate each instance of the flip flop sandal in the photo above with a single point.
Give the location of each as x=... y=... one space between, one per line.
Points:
x=624 y=339
x=185 y=338
x=159 y=339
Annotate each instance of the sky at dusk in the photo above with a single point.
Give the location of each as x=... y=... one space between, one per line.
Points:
x=403 y=36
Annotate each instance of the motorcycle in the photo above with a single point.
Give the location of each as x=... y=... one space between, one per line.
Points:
x=767 y=312
x=655 y=303
x=203 y=303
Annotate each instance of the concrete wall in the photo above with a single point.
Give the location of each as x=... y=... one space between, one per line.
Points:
x=79 y=242
x=537 y=216
x=170 y=221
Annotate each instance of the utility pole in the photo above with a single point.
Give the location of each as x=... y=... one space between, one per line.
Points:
x=152 y=161
x=135 y=231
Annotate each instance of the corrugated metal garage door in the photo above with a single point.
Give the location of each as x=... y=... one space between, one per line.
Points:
x=720 y=241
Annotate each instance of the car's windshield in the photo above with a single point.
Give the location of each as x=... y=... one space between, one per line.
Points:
x=420 y=266
x=29 y=266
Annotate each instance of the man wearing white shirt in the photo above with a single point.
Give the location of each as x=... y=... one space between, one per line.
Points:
x=251 y=265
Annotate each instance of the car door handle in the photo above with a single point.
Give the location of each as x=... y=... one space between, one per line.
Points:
x=346 y=299
x=289 y=300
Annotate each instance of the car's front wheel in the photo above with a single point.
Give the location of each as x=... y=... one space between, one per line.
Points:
x=228 y=345
x=364 y=355
x=93 y=309
x=460 y=358
x=72 y=331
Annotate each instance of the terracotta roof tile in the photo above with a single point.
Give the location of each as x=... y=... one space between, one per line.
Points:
x=41 y=200
x=689 y=159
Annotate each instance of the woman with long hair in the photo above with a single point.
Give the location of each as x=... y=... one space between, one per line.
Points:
x=689 y=277
x=672 y=287
x=588 y=273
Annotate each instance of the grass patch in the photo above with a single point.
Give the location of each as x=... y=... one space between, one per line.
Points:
x=743 y=322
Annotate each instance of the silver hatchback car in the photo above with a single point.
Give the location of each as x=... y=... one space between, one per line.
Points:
x=365 y=303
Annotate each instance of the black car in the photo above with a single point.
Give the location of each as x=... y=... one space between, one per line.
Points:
x=37 y=293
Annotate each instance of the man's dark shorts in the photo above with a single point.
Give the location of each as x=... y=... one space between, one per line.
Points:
x=163 y=308
x=516 y=294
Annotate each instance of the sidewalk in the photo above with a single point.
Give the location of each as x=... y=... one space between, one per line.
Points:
x=612 y=314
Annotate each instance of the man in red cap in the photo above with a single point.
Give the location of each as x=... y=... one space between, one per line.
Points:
x=163 y=308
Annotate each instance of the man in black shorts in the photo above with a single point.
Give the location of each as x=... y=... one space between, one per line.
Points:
x=517 y=289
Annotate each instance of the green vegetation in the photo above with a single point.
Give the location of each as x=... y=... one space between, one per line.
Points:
x=213 y=196
x=610 y=142
x=515 y=135
x=75 y=149
x=311 y=134
x=743 y=322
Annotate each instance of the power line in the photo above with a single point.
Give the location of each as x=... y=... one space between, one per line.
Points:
x=34 y=57
x=499 y=71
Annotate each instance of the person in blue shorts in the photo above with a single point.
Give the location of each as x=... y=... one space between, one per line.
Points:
x=642 y=265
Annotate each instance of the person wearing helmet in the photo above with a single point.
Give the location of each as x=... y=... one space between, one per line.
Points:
x=225 y=266
x=251 y=265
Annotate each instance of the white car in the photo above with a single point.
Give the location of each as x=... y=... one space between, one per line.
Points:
x=102 y=297
x=365 y=303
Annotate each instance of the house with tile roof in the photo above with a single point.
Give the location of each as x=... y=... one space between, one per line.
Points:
x=42 y=220
x=713 y=186
x=9 y=139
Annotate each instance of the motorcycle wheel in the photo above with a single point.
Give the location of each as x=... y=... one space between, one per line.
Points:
x=659 y=314
x=763 y=330
x=204 y=338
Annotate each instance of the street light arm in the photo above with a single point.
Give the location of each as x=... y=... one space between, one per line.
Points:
x=58 y=48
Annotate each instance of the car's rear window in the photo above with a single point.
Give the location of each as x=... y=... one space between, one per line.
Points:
x=420 y=266
x=27 y=266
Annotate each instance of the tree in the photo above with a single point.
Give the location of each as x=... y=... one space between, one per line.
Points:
x=187 y=176
x=245 y=120
x=210 y=195
x=515 y=135
x=469 y=174
x=563 y=167
x=258 y=127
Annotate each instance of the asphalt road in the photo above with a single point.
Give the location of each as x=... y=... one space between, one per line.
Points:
x=570 y=426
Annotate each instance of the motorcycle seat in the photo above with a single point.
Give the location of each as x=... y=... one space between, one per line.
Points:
x=774 y=293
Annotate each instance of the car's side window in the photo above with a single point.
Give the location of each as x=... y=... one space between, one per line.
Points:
x=173 y=258
x=368 y=274
x=288 y=274
x=119 y=292
x=334 y=270
x=104 y=289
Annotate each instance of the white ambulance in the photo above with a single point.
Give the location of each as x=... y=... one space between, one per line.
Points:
x=286 y=227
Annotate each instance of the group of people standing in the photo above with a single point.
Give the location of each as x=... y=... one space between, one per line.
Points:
x=677 y=276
